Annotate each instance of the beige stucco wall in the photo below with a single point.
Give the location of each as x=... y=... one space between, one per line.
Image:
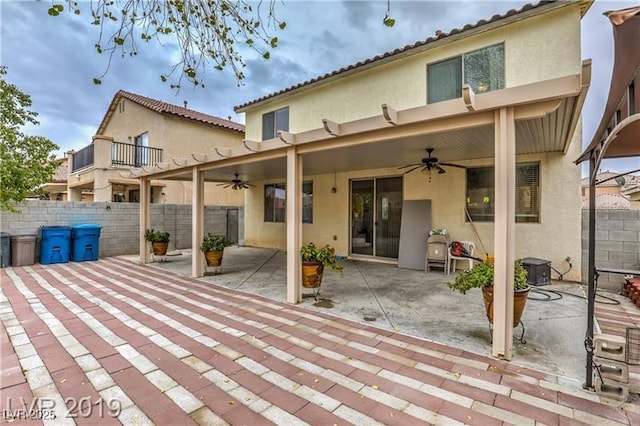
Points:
x=177 y=138
x=531 y=54
x=554 y=238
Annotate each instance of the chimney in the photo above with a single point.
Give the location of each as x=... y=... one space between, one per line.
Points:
x=185 y=103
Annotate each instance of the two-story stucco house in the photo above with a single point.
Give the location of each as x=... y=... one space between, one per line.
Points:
x=499 y=104
x=138 y=132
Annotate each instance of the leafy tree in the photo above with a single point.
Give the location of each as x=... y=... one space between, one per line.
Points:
x=215 y=32
x=206 y=31
x=26 y=162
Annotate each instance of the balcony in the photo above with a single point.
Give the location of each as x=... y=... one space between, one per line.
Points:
x=126 y=154
x=122 y=154
x=83 y=158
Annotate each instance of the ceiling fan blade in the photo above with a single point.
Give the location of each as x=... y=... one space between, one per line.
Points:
x=415 y=168
x=453 y=165
x=439 y=169
x=410 y=165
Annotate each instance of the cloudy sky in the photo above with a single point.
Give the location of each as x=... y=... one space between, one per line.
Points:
x=54 y=61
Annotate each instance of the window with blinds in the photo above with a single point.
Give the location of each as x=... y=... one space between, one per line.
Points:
x=482 y=69
x=480 y=193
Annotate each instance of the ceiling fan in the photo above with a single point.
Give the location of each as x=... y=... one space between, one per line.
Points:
x=236 y=183
x=429 y=163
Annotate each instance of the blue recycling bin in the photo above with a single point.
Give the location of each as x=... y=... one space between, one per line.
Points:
x=55 y=244
x=85 y=242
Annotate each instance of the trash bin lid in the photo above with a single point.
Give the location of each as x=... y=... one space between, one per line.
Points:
x=23 y=237
x=86 y=226
x=532 y=261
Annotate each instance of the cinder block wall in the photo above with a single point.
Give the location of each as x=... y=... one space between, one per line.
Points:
x=119 y=221
x=617 y=244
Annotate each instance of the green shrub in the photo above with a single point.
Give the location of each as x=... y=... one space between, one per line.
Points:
x=482 y=275
x=214 y=242
x=325 y=255
x=156 y=236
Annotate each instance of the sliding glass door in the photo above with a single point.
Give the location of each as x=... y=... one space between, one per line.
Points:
x=376 y=209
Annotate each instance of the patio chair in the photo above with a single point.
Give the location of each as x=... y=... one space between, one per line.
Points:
x=438 y=253
x=469 y=247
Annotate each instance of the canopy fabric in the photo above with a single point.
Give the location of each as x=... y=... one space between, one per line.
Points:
x=626 y=35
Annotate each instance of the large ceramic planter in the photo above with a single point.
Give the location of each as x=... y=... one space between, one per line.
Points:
x=160 y=248
x=214 y=258
x=312 y=274
x=519 y=302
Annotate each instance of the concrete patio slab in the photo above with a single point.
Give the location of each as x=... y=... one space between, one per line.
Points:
x=418 y=304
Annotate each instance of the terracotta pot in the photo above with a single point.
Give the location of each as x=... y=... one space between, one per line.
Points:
x=312 y=274
x=159 y=248
x=519 y=302
x=214 y=258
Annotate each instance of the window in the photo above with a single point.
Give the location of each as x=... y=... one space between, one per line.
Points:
x=482 y=69
x=480 y=193
x=275 y=202
x=274 y=121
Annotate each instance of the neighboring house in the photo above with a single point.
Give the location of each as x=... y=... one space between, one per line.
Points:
x=56 y=190
x=138 y=132
x=501 y=97
x=606 y=201
x=612 y=191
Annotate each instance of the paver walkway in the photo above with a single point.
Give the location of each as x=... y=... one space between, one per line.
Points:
x=162 y=348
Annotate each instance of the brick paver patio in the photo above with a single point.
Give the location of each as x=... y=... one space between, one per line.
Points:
x=157 y=347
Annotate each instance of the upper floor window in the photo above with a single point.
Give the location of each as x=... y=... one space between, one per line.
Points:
x=275 y=196
x=482 y=69
x=481 y=193
x=274 y=121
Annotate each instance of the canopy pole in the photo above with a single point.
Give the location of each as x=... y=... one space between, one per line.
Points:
x=588 y=342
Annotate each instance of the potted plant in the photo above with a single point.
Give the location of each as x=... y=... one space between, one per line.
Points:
x=481 y=276
x=159 y=241
x=314 y=260
x=213 y=248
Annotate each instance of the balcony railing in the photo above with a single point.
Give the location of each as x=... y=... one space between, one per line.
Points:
x=83 y=158
x=126 y=154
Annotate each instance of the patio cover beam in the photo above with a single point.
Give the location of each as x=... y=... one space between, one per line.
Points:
x=197 y=220
x=294 y=225
x=504 y=232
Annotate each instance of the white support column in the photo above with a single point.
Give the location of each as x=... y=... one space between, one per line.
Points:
x=197 y=221
x=145 y=218
x=504 y=232
x=294 y=225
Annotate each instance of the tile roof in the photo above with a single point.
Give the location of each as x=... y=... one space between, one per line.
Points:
x=170 y=109
x=61 y=172
x=609 y=201
x=402 y=51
